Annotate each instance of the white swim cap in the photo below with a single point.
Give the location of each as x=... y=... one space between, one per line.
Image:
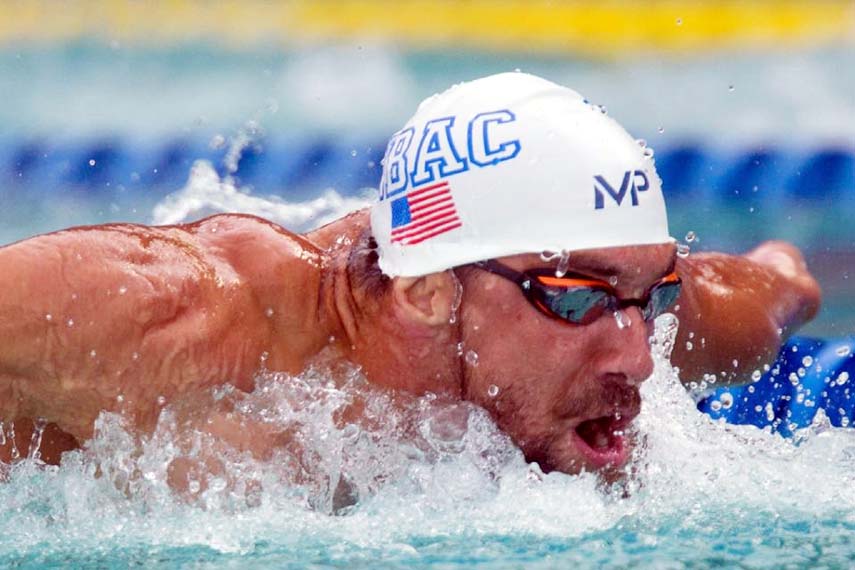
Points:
x=511 y=164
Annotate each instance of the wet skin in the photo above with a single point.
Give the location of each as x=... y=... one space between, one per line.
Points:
x=563 y=389
x=164 y=314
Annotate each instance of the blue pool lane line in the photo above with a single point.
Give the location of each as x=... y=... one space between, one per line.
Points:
x=690 y=172
x=809 y=375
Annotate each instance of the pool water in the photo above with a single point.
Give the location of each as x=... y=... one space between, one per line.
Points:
x=697 y=493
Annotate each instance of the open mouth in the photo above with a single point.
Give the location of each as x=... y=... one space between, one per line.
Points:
x=602 y=441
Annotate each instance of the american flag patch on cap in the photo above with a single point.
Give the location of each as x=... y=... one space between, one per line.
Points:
x=423 y=213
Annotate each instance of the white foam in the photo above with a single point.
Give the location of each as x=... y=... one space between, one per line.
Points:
x=206 y=194
x=421 y=468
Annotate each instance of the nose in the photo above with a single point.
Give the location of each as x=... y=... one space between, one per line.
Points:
x=627 y=351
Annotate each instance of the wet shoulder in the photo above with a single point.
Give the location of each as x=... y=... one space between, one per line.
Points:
x=256 y=248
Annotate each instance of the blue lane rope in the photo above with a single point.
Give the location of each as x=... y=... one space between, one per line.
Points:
x=809 y=375
x=690 y=172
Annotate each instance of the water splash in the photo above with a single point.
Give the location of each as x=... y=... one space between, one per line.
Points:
x=446 y=461
x=206 y=194
x=245 y=138
x=34 y=452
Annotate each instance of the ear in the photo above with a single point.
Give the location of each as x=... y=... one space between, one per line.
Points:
x=426 y=300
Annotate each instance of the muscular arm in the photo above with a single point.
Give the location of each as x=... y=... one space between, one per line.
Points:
x=116 y=317
x=736 y=311
x=79 y=308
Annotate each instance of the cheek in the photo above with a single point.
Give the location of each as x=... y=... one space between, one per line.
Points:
x=526 y=363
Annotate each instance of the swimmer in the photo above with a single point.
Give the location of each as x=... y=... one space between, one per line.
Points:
x=516 y=259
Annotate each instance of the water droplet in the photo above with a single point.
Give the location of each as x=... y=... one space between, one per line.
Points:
x=661 y=130
x=135 y=356
x=689 y=345
x=458 y=298
x=193 y=486
x=493 y=391
x=123 y=290
x=641 y=142
x=756 y=375
x=92 y=353
x=563 y=264
x=49 y=317
x=471 y=358
x=770 y=412
x=715 y=405
x=268 y=312
x=843 y=378
x=613 y=280
x=91 y=162
x=807 y=361
x=459 y=349
x=726 y=400
x=70 y=322
x=264 y=356
x=730 y=88
x=517 y=70
x=691 y=236
x=841 y=350
x=603 y=109
x=622 y=319
x=679 y=21
x=161 y=400
x=217 y=484
x=683 y=250
x=735 y=363
x=353 y=152
x=217 y=142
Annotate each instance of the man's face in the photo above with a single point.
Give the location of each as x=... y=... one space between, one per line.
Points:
x=563 y=392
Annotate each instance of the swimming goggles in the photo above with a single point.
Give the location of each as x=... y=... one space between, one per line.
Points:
x=582 y=300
